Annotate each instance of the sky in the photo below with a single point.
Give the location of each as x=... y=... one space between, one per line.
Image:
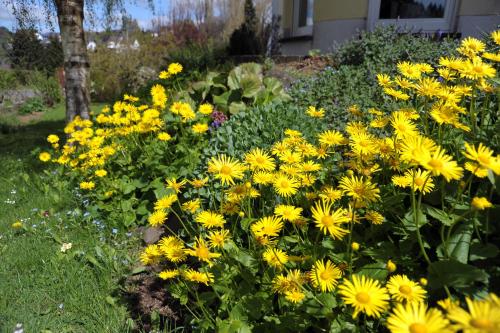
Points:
x=138 y=9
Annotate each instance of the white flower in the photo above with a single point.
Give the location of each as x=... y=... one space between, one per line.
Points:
x=65 y=247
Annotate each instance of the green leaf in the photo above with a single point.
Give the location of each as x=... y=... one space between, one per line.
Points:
x=250 y=85
x=376 y=271
x=459 y=243
x=441 y=215
x=480 y=251
x=236 y=107
x=409 y=220
x=454 y=274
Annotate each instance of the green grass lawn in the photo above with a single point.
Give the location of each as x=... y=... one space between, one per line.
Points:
x=41 y=287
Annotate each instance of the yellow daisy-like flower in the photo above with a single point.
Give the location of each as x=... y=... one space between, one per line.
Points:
x=362 y=190
x=471 y=46
x=201 y=251
x=174 y=68
x=199 y=128
x=101 y=173
x=397 y=94
x=285 y=186
x=191 y=206
x=150 y=255
x=409 y=70
x=198 y=183
x=159 y=96
x=288 y=212
x=200 y=277
x=384 y=80
x=218 y=238
x=331 y=138
x=44 y=157
x=402 y=289
x=87 y=185
x=164 y=136
x=226 y=169
x=175 y=185
x=403 y=127
x=421 y=180
x=495 y=35
x=415 y=318
x=330 y=221
x=315 y=113
x=441 y=164
x=275 y=257
x=365 y=295
x=168 y=274
x=262 y=177
x=258 y=159
x=165 y=202
x=206 y=109
x=295 y=296
x=482 y=154
x=325 y=276
x=328 y=193
x=374 y=217
x=269 y=226
x=483 y=316
x=210 y=219
x=52 y=138
x=481 y=203
x=157 y=218
x=413 y=148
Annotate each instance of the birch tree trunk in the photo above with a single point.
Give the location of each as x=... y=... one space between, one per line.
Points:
x=76 y=63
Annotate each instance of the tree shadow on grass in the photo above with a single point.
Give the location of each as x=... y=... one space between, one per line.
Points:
x=22 y=141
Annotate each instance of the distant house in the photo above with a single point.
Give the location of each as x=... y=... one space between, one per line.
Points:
x=317 y=24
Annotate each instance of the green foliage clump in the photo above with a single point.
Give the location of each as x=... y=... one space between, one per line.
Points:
x=243 y=40
x=32 y=105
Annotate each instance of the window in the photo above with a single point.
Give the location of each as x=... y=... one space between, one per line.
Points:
x=425 y=15
x=302 y=17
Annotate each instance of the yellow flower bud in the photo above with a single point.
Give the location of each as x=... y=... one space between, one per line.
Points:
x=355 y=246
x=391 y=266
x=241 y=214
x=423 y=281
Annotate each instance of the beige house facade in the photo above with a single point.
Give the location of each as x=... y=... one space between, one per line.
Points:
x=318 y=24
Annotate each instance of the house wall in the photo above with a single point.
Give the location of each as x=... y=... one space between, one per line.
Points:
x=338 y=20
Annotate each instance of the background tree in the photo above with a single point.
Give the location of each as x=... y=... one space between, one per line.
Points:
x=244 y=39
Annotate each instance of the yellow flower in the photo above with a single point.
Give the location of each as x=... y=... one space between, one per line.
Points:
x=159 y=96
x=165 y=202
x=391 y=266
x=262 y=177
x=101 y=173
x=402 y=289
x=365 y=295
x=199 y=128
x=403 y=127
x=330 y=221
x=17 y=225
x=200 y=277
x=288 y=212
x=383 y=80
x=483 y=316
x=421 y=180
x=172 y=248
x=269 y=226
x=295 y=296
x=218 y=238
x=176 y=186
x=164 y=75
x=87 y=185
x=325 y=276
x=313 y=112
x=415 y=318
x=206 y=109
x=396 y=94
x=331 y=138
x=164 y=136
x=259 y=159
x=483 y=155
x=275 y=257
x=168 y=274
x=355 y=246
x=481 y=203
x=202 y=251
x=192 y=205
x=210 y=219
x=157 y=218
x=198 y=183
x=409 y=70
x=495 y=35
x=44 y=157
x=150 y=255
x=53 y=139
x=328 y=193
x=174 y=68
x=471 y=46
x=226 y=169
x=441 y=164
x=374 y=217
x=362 y=190
x=285 y=186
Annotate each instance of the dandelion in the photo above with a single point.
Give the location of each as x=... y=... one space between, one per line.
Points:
x=17 y=225
x=391 y=266
x=374 y=217
x=325 y=275
x=176 y=186
x=52 y=138
x=365 y=295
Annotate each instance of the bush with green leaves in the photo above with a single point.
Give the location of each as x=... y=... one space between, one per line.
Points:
x=32 y=105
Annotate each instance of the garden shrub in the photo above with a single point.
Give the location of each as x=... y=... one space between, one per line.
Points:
x=32 y=105
x=385 y=221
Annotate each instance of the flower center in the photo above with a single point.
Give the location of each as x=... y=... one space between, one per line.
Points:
x=225 y=170
x=484 y=159
x=419 y=181
x=418 y=328
x=481 y=323
x=405 y=290
x=260 y=160
x=436 y=164
x=202 y=253
x=363 y=297
x=284 y=184
x=325 y=275
x=327 y=220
